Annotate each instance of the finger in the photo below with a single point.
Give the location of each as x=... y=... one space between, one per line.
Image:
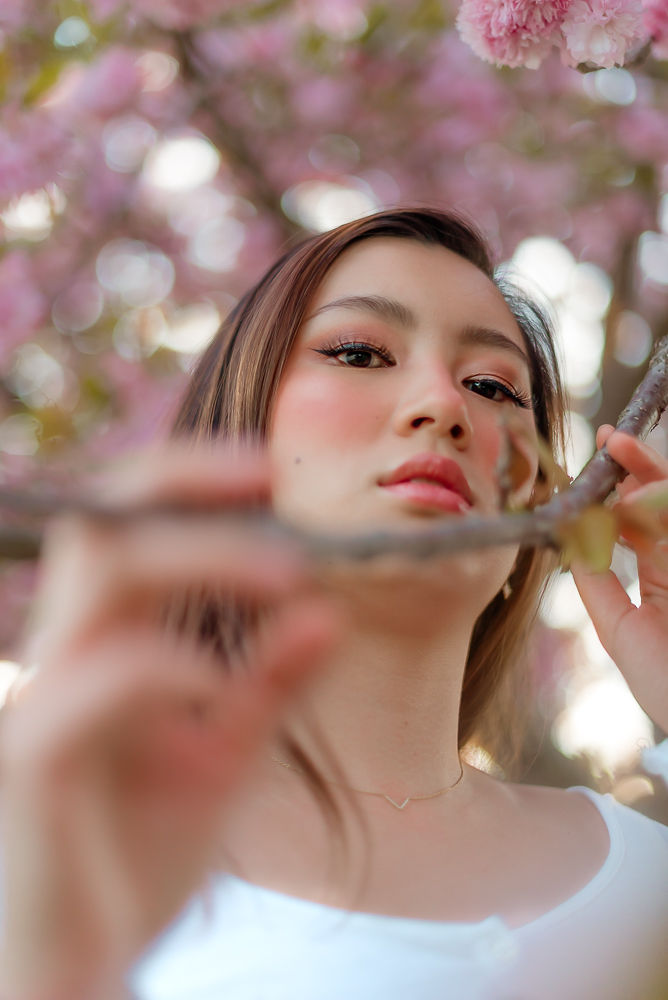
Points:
x=208 y=473
x=603 y=433
x=57 y=724
x=626 y=487
x=638 y=458
x=165 y=682
x=605 y=599
x=285 y=657
x=645 y=505
x=634 y=637
x=95 y=575
x=209 y=746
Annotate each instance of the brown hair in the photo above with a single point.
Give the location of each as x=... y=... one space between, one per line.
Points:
x=234 y=385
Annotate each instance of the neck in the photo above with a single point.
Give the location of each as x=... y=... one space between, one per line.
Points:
x=386 y=705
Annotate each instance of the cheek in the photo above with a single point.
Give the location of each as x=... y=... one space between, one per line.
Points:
x=313 y=413
x=320 y=441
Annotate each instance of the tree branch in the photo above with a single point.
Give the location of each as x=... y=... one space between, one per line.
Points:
x=542 y=526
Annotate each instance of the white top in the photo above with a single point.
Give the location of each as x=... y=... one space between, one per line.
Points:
x=243 y=942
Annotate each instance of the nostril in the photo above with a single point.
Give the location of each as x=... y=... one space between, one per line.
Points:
x=457 y=431
x=418 y=421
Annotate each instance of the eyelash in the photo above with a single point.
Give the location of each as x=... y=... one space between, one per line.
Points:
x=351 y=347
x=515 y=396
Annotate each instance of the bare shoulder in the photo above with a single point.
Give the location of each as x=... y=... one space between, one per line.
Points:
x=554 y=840
x=569 y=809
x=566 y=815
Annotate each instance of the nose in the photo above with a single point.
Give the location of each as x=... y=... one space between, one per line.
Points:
x=435 y=402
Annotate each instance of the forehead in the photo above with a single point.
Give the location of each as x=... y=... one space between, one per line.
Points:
x=435 y=283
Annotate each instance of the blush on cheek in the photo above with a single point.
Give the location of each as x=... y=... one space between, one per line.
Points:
x=321 y=441
x=320 y=412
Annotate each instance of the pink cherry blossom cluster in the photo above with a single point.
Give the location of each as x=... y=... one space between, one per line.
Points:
x=588 y=33
x=656 y=26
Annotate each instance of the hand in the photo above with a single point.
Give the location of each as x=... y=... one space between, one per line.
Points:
x=635 y=637
x=117 y=759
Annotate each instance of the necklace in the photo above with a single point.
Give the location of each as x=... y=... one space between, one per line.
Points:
x=380 y=795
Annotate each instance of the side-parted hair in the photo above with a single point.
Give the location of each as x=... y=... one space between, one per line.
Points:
x=231 y=394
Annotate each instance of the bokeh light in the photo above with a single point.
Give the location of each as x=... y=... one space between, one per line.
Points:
x=20 y=434
x=579 y=294
x=181 y=163
x=191 y=329
x=158 y=70
x=71 y=32
x=126 y=141
x=653 y=257
x=604 y=721
x=137 y=274
x=39 y=379
x=614 y=85
x=9 y=673
x=216 y=244
x=322 y=205
x=31 y=216
x=78 y=307
x=633 y=339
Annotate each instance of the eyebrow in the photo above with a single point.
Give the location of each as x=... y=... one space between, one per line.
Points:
x=396 y=312
x=378 y=305
x=486 y=337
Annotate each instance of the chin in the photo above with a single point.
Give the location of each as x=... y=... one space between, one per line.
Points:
x=423 y=589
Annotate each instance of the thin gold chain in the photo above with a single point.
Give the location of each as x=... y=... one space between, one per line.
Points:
x=380 y=795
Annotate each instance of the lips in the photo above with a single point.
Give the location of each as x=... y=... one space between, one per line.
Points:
x=430 y=480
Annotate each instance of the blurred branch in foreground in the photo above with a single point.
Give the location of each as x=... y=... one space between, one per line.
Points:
x=551 y=524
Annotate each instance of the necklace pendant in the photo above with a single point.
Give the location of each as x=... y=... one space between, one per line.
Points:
x=396 y=804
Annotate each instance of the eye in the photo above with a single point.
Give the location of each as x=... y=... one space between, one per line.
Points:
x=497 y=391
x=358 y=355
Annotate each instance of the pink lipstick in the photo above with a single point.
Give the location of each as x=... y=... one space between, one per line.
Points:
x=431 y=481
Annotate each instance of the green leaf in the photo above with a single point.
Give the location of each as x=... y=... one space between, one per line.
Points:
x=590 y=538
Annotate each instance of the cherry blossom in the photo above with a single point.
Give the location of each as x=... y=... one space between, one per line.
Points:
x=601 y=32
x=511 y=32
x=655 y=22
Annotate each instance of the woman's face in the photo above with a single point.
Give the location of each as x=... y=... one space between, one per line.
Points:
x=394 y=404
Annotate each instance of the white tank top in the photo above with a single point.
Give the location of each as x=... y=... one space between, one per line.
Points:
x=609 y=941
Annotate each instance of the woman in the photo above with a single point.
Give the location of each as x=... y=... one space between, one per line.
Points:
x=380 y=365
